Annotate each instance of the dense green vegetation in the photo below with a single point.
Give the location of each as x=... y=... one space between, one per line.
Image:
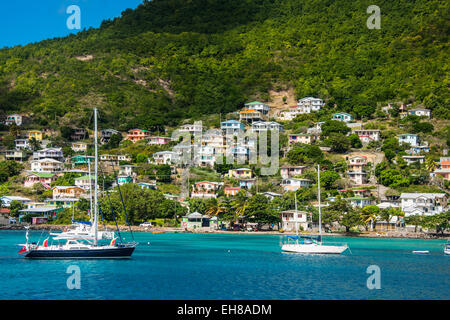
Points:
x=173 y=59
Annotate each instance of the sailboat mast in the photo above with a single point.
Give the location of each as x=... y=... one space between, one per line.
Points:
x=320 y=207
x=95 y=181
x=90 y=190
x=296 y=215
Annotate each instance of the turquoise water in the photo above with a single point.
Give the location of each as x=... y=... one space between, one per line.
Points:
x=227 y=266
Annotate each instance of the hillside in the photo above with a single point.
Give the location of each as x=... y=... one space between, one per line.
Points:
x=174 y=59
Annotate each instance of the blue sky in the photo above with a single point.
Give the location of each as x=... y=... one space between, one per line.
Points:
x=26 y=21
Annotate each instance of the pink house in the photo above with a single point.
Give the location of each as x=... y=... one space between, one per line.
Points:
x=158 y=140
x=38 y=177
x=291 y=171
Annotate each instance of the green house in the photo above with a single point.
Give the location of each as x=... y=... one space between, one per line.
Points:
x=82 y=160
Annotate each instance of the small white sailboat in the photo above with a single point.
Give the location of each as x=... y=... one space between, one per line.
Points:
x=421 y=251
x=311 y=244
x=447 y=248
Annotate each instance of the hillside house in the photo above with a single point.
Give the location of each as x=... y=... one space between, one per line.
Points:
x=293 y=184
x=68 y=192
x=49 y=153
x=357 y=169
x=262 y=126
x=158 y=140
x=342 y=116
x=36 y=134
x=135 y=135
x=15 y=118
x=106 y=134
x=291 y=171
x=304 y=138
x=444 y=168
x=39 y=177
x=205 y=189
x=242 y=173
x=79 y=146
x=232 y=127
x=16 y=155
x=79 y=134
x=366 y=135
x=412 y=139
x=420 y=112
x=47 y=166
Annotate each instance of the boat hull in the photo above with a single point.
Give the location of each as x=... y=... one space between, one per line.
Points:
x=105 y=253
x=313 y=249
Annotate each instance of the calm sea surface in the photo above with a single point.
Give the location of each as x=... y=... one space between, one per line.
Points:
x=227 y=266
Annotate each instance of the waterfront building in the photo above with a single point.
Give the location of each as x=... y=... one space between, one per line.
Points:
x=427 y=204
x=290 y=218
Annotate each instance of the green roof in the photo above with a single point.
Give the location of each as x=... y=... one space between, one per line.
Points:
x=253 y=103
x=84 y=177
x=43 y=175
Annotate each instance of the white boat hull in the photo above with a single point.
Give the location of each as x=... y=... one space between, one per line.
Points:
x=447 y=251
x=313 y=248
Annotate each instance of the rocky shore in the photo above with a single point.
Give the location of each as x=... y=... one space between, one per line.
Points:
x=390 y=234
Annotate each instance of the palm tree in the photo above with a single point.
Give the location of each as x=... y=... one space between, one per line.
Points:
x=239 y=204
x=430 y=164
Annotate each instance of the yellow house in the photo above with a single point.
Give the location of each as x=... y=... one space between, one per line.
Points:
x=242 y=173
x=67 y=192
x=35 y=134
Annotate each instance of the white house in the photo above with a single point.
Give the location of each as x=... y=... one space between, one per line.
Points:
x=22 y=144
x=366 y=135
x=6 y=200
x=14 y=118
x=258 y=106
x=49 y=153
x=79 y=146
x=85 y=183
x=47 y=165
x=260 y=126
x=310 y=103
x=357 y=169
x=232 y=127
x=427 y=204
x=412 y=139
x=194 y=129
x=420 y=112
x=291 y=218
x=165 y=157
x=414 y=159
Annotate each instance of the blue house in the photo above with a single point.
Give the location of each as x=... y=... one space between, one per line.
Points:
x=247 y=183
x=232 y=127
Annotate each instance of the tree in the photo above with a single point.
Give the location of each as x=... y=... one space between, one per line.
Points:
x=364 y=111
x=355 y=141
x=415 y=220
x=338 y=143
x=422 y=127
x=66 y=132
x=304 y=153
x=350 y=219
x=334 y=126
x=15 y=206
x=328 y=179
x=430 y=164
x=35 y=144
x=114 y=141
x=369 y=213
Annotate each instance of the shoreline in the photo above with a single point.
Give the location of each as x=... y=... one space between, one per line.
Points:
x=376 y=235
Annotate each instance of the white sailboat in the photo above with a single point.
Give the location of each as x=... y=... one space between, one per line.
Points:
x=311 y=244
x=83 y=241
x=447 y=247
